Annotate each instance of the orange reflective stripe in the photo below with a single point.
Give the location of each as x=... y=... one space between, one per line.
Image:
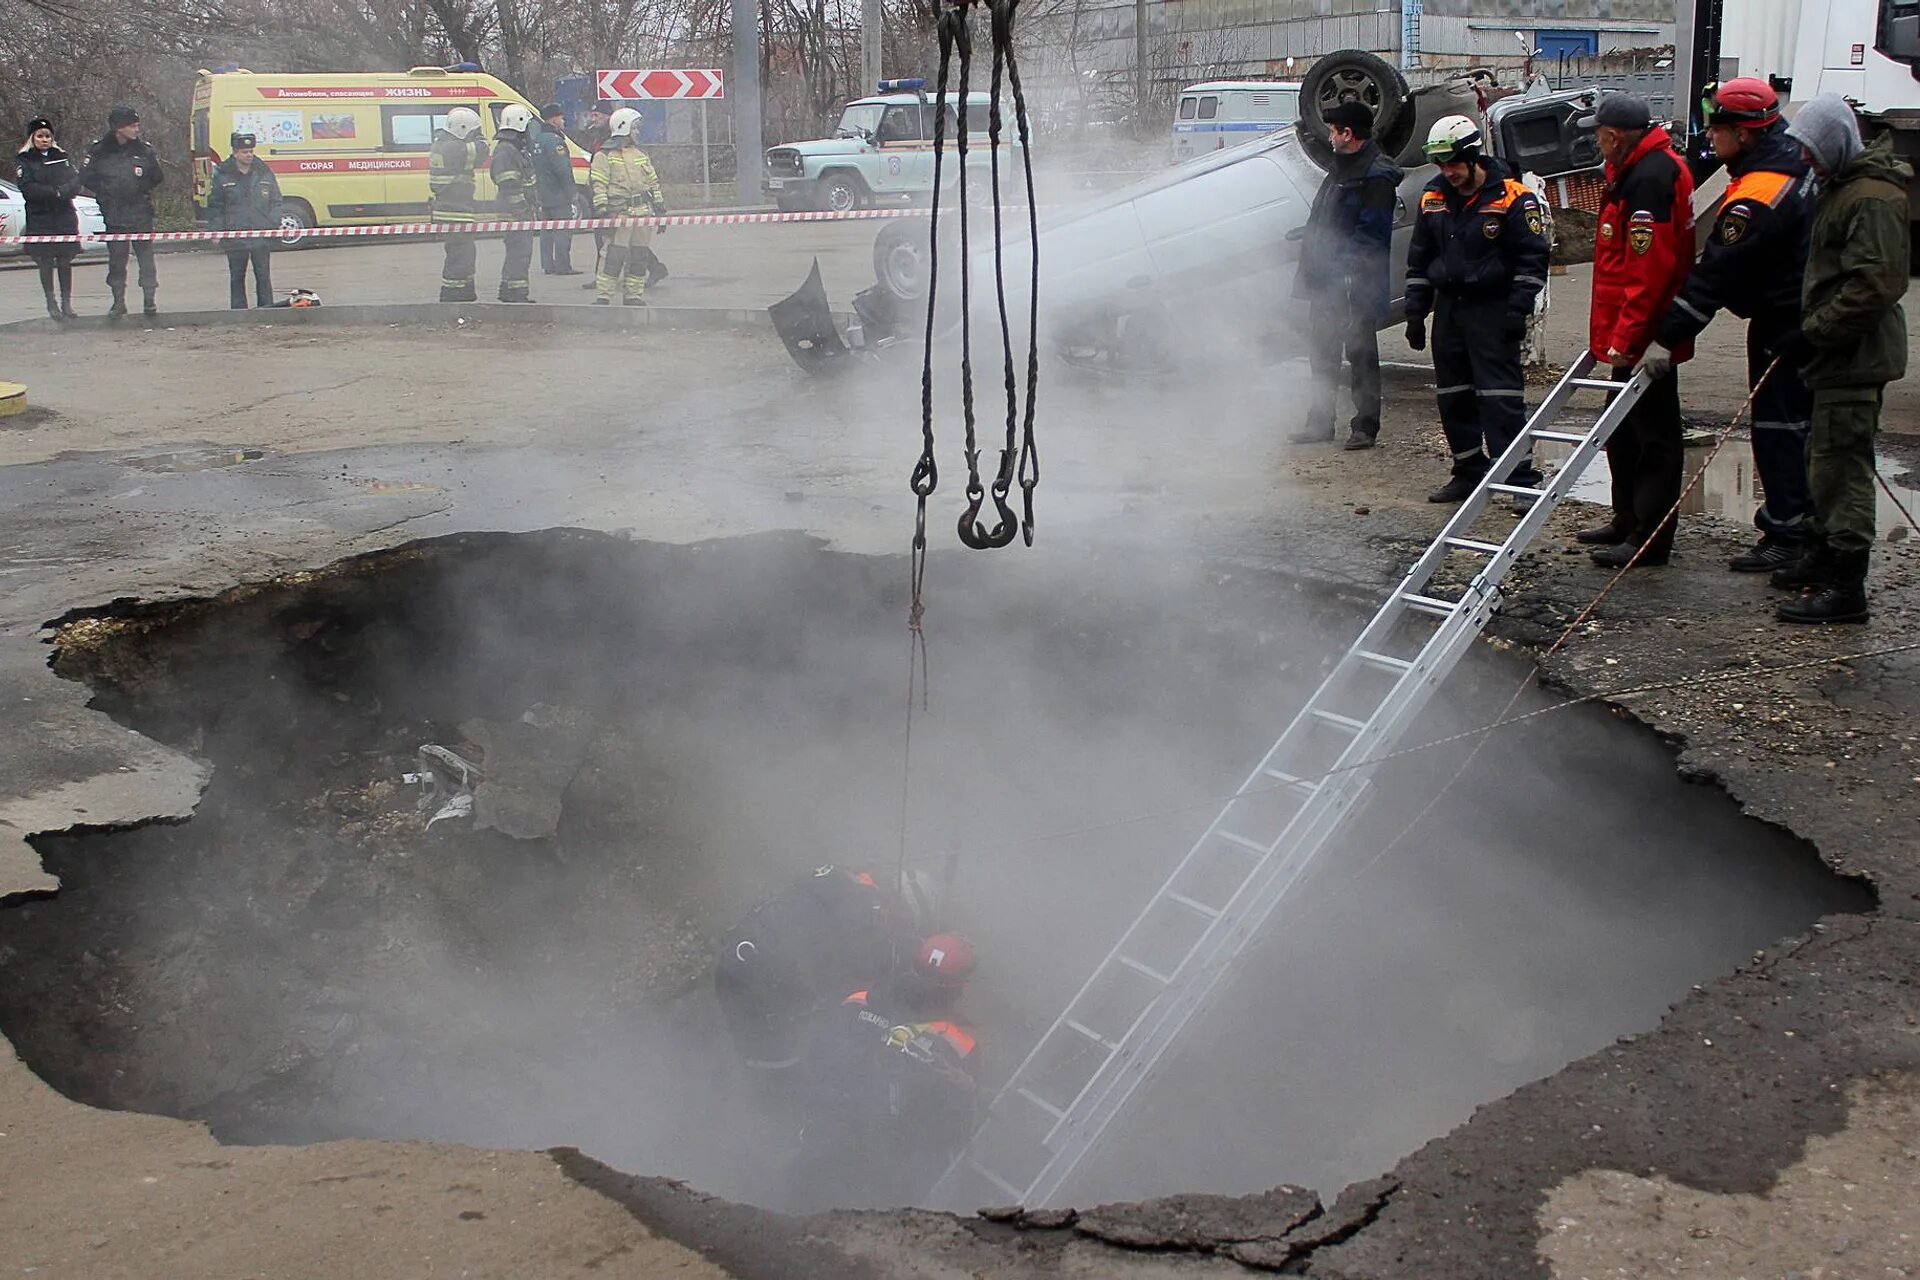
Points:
x=858 y=997
x=1763 y=185
x=954 y=1036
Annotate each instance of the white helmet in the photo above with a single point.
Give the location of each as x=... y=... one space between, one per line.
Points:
x=516 y=117
x=463 y=122
x=1452 y=138
x=622 y=121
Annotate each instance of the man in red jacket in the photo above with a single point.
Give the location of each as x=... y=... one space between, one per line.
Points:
x=1643 y=249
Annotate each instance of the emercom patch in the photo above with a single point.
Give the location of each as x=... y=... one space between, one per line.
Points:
x=1734 y=220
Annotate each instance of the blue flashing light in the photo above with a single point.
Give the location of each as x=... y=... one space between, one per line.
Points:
x=464 y=66
x=913 y=85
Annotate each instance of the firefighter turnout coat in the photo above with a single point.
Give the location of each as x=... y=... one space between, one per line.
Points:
x=1489 y=244
x=513 y=174
x=1642 y=250
x=623 y=181
x=451 y=166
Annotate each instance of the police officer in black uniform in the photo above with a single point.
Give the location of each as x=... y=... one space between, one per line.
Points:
x=1477 y=263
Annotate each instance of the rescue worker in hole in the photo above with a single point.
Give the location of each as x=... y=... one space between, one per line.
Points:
x=243 y=195
x=457 y=152
x=889 y=1088
x=1345 y=275
x=1477 y=263
x=624 y=185
x=122 y=170
x=1643 y=249
x=1752 y=266
x=1852 y=342
x=828 y=933
x=514 y=182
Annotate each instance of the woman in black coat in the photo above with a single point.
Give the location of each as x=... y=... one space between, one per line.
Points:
x=48 y=181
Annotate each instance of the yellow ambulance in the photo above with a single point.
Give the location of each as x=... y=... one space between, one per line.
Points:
x=348 y=149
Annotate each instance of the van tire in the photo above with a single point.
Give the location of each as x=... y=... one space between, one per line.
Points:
x=296 y=219
x=841 y=191
x=1353 y=75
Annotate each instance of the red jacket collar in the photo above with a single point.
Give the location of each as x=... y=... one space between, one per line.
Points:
x=1657 y=138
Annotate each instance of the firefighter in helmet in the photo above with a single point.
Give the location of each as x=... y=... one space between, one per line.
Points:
x=624 y=185
x=1477 y=263
x=1752 y=266
x=451 y=164
x=513 y=178
x=889 y=1087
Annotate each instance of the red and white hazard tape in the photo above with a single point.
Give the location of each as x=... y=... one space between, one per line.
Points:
x=482 y=228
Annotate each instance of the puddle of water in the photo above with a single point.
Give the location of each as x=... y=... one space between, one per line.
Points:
x=1731 y=487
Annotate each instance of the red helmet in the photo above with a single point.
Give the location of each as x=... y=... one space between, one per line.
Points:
x=945 y=959
x=1745 y=101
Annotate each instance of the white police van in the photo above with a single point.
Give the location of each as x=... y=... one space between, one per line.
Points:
x=881 y=151
x=1218 y=114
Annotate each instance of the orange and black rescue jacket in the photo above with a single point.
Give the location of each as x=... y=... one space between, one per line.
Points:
x=1487 y=245
x=1642 y=247
x=1756 y=253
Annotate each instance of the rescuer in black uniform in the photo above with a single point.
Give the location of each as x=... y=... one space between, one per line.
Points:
x=1477 y=263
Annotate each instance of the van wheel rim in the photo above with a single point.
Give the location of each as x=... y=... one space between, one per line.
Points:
x=840 y=197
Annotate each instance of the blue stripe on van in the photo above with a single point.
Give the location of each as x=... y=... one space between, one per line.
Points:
x=1248 y=126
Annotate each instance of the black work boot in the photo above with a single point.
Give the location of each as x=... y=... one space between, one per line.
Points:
x=53 y=308
x=1765 y=556
x=1621 y=554
x=1814 y=568
x=119 y=307
x=1311 y=434
x=1458 y=489
x=1842 y=598
x=1605 y=535
x=148 y=307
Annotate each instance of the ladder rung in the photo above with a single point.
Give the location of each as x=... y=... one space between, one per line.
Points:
x=1057 y=1113
x=1253 y=846
x=1599 y=384
x=1016 y=1192
x=1194 y=905
x=1384 y=661
x=1087 y=1031
x=1474 y=544
x=1287 y=779
x=1348 y=722
x=1153 y=975
x=1558 y=437
x=1518 y=488
x=1427 y=604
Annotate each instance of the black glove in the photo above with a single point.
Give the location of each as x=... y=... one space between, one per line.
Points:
x=1794 y=350
x=1417 y=332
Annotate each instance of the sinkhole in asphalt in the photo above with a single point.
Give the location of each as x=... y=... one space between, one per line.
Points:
x=677 y=731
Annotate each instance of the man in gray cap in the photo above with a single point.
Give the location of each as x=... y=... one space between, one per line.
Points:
x=1345 y=275
x=1852 y=342
x=1642 y=251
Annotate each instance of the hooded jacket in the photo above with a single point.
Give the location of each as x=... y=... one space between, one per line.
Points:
x=1754 y=255
x=1857 y=266
x=1642 y=247
x=1346 y=258
x=48 y=181
x=1488 y=245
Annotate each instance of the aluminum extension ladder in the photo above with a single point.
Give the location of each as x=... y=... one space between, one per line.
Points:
x=1060 y=1100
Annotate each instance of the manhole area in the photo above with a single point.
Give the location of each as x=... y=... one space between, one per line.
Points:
x=669 y=734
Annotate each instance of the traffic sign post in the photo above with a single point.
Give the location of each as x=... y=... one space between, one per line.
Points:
x=701 y=84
